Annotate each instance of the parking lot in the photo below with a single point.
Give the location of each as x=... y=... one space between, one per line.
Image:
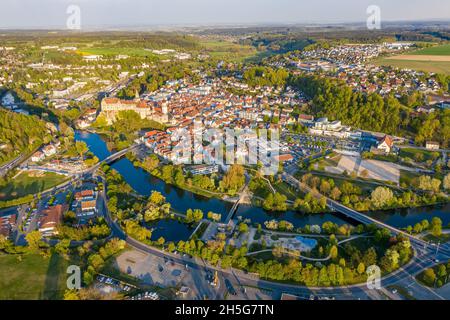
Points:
x=165 y=273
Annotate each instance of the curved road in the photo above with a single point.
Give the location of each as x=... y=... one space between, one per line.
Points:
x=419 y=262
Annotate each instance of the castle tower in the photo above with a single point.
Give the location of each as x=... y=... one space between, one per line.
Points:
x=164 y=108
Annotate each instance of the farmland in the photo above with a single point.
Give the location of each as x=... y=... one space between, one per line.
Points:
x=434 y=59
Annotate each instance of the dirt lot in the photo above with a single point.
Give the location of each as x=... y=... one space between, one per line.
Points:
x=379 y=170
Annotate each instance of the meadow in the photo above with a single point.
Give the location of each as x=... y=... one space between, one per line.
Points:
x=32 y=277
x=433 y=59
x=26 y=183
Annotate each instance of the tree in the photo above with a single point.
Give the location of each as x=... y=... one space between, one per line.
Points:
x=361 y=268
x=81 y=148
x=226 y=262
x=334 y=252
x=429 y=277
x=63 y=246
x=275 y=202
x=151 y=163
x=381 y=196
x=436 y=226
x=390 y=261
x=446 y=182
x=442 y=271
x=171 y=247
x=161 y=241
x=3 y=242
x=370 y=257
x=233 y=180
x=325 y=187
x=71 y=295
x=428 y=184
x=33 y=238
x=194 y=215
x=335 y=193
x=157 y=198
x=243 y=228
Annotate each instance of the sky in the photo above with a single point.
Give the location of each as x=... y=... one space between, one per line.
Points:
x=109 y=13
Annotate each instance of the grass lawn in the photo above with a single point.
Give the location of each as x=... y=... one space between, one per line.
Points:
x=427 y=66
x=225 y=50
x=33 y=277
x=29 y=183
x=340 y=179
x=413 y=153
x=406 y=177
x=286 y=190
x=441 y=50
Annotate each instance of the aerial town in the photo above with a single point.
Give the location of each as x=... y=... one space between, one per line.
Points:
x=247 y=163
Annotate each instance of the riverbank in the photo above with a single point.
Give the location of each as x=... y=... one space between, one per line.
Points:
x=144 y=183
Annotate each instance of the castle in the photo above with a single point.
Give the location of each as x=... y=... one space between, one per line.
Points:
x=110 y=108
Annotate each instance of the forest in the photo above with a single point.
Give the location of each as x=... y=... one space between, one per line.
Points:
x=337 y=101
x=21 y=133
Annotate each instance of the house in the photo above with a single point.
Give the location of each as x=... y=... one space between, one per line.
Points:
x=385 y=145
x=432 y=145
x=37 y=156
x=92 y=57
x=49 y=150
x=85 y=195
x=306 y=118
x=285 y=157
x=90 y=205
x=6 y=225
x=50 y=218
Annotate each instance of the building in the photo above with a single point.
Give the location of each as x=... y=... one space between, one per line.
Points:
x=85 y=195
x=385 y=145
x=324 y=127
x=432 y=145
x=110 y=108
x=50 y=219
x=202 y=169
x=7 y=223
x=305 y=118
x=49 y=150
x=86 y=205
x=93 y=57
x=285 y=157
x=37 y=156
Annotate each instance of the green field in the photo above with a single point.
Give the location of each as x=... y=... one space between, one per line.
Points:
x=415 y=153
x=32 y=277
x=24 y=184
x=426 y=66
x=442 y=50
x=225 y=50
x=132 y=52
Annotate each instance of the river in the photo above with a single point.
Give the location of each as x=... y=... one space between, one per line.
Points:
x=144 y=183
